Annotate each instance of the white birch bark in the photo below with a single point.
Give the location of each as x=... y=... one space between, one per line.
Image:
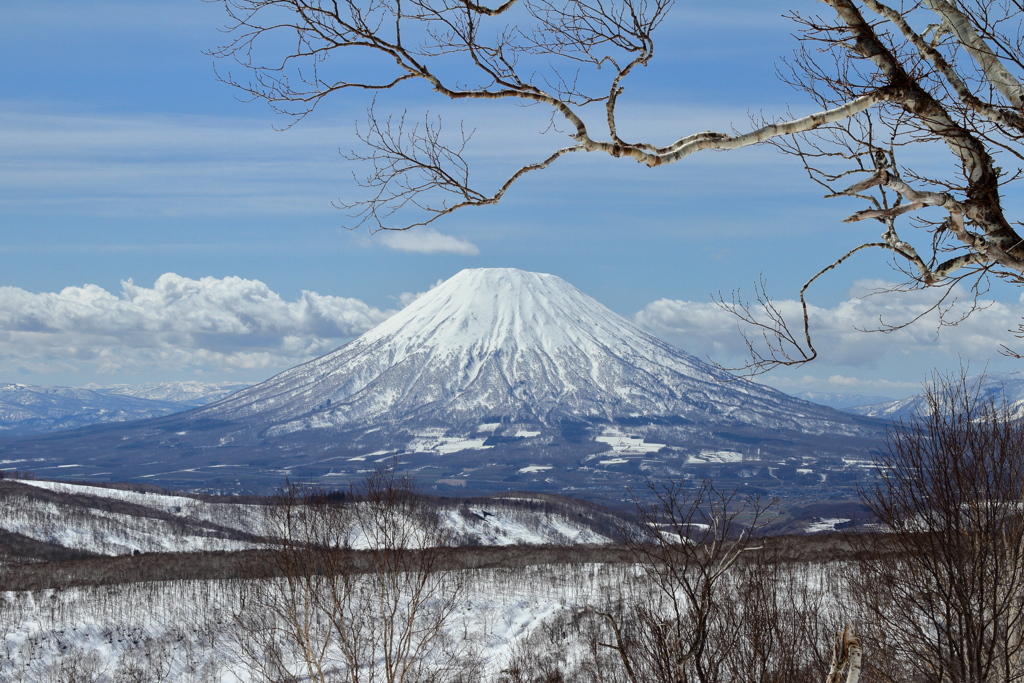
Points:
x=995 y=72
x=846 y=656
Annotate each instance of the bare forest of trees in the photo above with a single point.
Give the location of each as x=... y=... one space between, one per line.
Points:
x=363 y=587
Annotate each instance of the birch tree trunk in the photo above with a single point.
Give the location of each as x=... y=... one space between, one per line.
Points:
x=846 y=656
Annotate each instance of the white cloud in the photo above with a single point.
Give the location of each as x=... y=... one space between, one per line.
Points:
x=220 y=324
x=406 y=298
x=426 y=241
x=893 y=362
x=846 y=385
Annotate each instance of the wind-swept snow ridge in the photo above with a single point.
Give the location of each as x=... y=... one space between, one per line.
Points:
x=505 y=344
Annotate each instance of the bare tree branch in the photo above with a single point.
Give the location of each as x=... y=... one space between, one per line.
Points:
x=881 y=89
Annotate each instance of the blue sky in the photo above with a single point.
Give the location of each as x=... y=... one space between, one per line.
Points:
x=155 y=227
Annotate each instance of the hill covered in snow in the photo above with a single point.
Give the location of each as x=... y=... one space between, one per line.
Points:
x=57 y=519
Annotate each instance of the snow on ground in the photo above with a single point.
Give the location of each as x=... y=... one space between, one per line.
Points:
x=707 y=457
x=250 y=519
x=532 y=469
x=444 y=445
x=105 y=533
x=116 y=533
x=499 y=525
x=158 y=501
x=375 y=454
x=187 y=630
x=821 y=524
x=628 y=445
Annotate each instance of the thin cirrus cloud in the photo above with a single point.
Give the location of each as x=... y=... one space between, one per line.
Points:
x=167 y=165
x=217 y=324
x=190 y=165
x=426 y=241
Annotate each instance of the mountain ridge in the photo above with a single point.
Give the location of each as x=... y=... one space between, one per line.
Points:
x=1001 y=387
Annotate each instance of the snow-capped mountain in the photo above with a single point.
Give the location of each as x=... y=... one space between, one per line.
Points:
x=841 y=401
x=889 y=410
x=496 y=379
x=499 y=344
x=26 y=408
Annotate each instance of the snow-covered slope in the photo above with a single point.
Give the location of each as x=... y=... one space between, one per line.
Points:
x=25 y=408
x=529 y=620
x=892 y=410
x=113 y=521
x=500 y=344
x=841 y=401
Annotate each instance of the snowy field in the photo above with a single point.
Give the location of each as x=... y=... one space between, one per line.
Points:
x=509 y=625
x=187 y=631
x=529 y=620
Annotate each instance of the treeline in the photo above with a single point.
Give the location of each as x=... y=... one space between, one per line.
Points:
x=72 y=569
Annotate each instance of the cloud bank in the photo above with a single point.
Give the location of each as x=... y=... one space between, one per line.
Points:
x=851 y=358
x=178 y=324
x=232 y=325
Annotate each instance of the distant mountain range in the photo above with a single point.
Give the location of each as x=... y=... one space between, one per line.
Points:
x=191 y=393
x=1002 y=387
x=496 y=379
x=26 y=409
